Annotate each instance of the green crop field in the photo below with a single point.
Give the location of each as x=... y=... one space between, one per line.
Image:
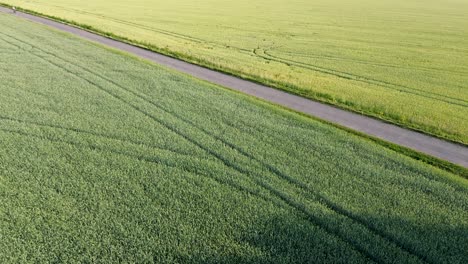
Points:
x=108 y=158
x=405 y=61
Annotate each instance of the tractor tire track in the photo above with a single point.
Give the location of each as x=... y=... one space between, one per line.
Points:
x=241 y=126
x=99 y=135
x=158 y=161
x=279 y=201
x=429 y=145
x=314 y=195
x=353 y=77
x=257 y=178
x=153 y=29
x=364 y=62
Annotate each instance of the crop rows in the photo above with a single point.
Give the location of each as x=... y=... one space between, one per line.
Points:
x=374 y=63
x=198 y=150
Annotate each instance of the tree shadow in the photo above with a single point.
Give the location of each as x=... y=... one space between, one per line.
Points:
x=288 y=239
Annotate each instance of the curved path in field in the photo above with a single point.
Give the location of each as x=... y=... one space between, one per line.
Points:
x=432 y=146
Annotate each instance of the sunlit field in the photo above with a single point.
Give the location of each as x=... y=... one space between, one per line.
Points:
x=405 y=61
x=107 y=158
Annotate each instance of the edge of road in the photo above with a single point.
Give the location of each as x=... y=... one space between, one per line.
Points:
x=288 y=88
x=446 y=155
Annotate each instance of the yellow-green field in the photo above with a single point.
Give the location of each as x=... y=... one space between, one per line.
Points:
x=405 y=61
x=105 y=158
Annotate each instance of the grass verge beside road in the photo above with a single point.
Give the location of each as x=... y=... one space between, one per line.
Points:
x=391 y=69
x=107 y=158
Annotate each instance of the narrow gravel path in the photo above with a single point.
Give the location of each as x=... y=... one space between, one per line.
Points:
x=452 y=152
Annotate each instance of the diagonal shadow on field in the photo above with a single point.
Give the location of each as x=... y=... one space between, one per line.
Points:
x=281 y=240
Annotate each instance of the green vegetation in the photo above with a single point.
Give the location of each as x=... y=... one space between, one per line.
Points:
x=404 y=61
x=107 y=158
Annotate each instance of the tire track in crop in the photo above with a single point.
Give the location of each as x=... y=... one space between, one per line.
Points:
x=109 y=137
x=352 y=77
x=340 y=74
x=136 y=25
x=8 y=52
x=101 y=88
x=349 y=76
x=335 y=41
x=291 y=180
x=12 y=47
x=155 y=30
x=233 y=166
x=108 y=149
x=73 y=143
x=319 y=159
x=280 y=135
x=335 y=58
x=286 y=199
x=149 y=28
x=368 y=80
x=195 y=171
x=301 y=208
x=34 y=92
x=317 y=196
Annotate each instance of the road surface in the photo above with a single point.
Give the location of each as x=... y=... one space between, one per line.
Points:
x=429 y=145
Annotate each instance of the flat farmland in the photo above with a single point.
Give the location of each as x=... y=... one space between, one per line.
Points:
x=108 y=158
x=402 y=61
